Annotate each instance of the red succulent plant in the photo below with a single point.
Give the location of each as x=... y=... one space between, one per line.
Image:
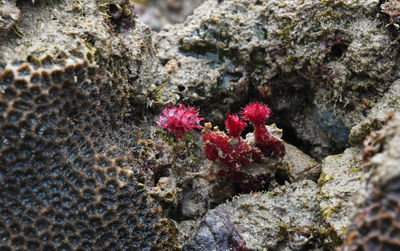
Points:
x=233 y=153
x=257 y=114
x=234 y=125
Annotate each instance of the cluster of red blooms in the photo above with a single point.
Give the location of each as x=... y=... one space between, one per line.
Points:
x=234 y=153
x=217 y=145
x=231 y=151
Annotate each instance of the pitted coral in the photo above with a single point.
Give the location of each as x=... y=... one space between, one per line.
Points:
x=179 y=120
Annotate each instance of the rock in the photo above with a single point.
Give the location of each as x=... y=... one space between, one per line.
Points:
x=377 y=116
x=158 y=13
x=340 y=181
x=297 y=165
x=319 y=75
x=9 y=15
x=377 y=220
x=81 y=82
x=286 y=217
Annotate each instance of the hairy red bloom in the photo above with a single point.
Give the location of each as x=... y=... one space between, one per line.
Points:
x=211 y=151
x=179 y=120
x=256 y=113
x=262 y=135
x=234 y=125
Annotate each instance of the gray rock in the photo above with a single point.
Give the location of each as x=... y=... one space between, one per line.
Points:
x=286 y=218
x=9 y=15
x=158 y=13
x=377 y=116
x=320 y=65
x=340 y=181
x=298 y=165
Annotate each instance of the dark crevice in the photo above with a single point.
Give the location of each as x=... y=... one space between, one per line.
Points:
x=181 y=88
x=290 y=99
x=162 y=172
x=338 y=46
x=290 y=136
x=164 y=61
x=281 y=176
x=337 y=51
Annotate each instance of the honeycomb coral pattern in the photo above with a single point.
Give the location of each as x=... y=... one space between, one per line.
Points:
x=377 y=227
x=68 y=178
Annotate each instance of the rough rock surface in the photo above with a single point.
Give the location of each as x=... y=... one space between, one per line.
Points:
x=320 y=65
x=377 y=116
x=9 y=15
x=340 y=181
x=376 y=225
x=298 y=165
x=324 y=76
x=81 y=82
x=286 y=218
x=158 y=13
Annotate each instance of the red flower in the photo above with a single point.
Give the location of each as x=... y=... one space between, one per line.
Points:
x=256 y=113
x=233 y=153
x=179 y=120
x=234 y=125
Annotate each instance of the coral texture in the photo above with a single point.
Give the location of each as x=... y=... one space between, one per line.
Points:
x=66 y=174
x=70 y=177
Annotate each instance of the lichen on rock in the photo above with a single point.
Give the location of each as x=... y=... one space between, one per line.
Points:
x=320 y=75
x=286 y=218
x=340 y=181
